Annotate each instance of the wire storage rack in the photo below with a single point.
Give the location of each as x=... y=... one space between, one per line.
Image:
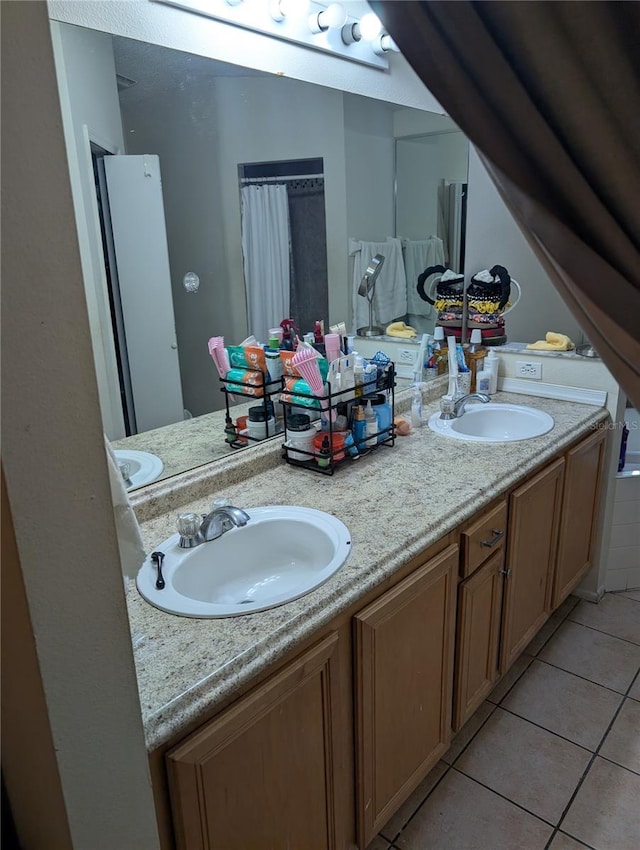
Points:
x=263 y=392
x=342 y=446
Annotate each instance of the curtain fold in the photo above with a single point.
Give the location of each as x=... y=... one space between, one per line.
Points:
x=265 y=252
x=549 y=93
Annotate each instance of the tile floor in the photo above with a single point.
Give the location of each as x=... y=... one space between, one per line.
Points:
x=551 y=761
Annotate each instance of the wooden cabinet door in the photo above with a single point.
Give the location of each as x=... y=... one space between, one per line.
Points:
x=260 y=776
x=534 y=513
x=478 y=633
x=578 y=524
x=404 y=645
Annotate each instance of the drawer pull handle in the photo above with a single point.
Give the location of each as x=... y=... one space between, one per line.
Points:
x=506 y=572
x=497 y=537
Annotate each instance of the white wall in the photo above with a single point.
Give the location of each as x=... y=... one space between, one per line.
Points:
x=493 y=238
x=421 y=165
x=369 y=150
x=91 y=112
x=55 y=465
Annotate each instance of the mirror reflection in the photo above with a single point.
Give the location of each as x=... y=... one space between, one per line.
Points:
x=165 y=264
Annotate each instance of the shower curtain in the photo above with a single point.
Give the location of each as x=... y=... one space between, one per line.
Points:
x=309 y=279
x=265 y=251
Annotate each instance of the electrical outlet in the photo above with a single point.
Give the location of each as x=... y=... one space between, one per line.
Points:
x=527 y=369
x=406 y=355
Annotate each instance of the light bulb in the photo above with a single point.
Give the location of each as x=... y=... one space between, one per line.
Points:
x=333 y=17
x=384 y=44
x=234 y=2
x=351 y=33
x=370 y=26
x=281 y=9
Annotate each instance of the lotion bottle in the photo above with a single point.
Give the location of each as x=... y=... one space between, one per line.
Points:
x=491 y=364
x=359 y=427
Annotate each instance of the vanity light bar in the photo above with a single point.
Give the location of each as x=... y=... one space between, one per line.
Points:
x=315 y=25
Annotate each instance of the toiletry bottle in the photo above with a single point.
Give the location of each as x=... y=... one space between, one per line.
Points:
x=274 y=362
x=324 y=455
x=359 y=426
x=230 y=434
x=318 y=335
x=416 y=408
x=483 y=381
x=475 y=355
x=358 y=374
x=371 y=421
x=350 y=445
x=492 y=363
x=622 y=458
x=382 y=410
x=440 y=350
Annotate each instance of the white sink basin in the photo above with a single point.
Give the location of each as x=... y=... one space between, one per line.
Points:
x=494 y=423
x=282 y=553
x=144 y=467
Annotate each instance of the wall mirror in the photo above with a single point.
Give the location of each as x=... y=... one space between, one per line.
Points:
x=192 y=121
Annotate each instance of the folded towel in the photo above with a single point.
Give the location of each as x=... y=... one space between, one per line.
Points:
x=401 y=330
x=419 y=255
x=130 y=543
x=552 y=342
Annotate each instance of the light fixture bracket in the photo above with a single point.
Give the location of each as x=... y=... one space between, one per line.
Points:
x=255 y=15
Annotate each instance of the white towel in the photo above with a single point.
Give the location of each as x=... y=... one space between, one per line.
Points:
x=418 y=256
x=130 y=543
x=390 y=299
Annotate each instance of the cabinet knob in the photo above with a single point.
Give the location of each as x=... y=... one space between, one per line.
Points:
x=497 y=537
x=506 y=573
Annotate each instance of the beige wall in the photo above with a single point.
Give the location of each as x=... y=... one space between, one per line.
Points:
x=55 y=468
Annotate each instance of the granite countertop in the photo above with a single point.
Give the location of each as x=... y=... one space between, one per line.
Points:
x=396 y=503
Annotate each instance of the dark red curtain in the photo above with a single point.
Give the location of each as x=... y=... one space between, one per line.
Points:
x=549 y=93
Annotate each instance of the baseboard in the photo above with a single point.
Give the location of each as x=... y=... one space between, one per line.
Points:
x=590 y=595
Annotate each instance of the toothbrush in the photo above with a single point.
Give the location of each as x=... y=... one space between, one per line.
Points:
x=453 y=367
x=417 y=369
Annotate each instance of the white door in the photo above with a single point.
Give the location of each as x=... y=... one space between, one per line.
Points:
x=142 y=259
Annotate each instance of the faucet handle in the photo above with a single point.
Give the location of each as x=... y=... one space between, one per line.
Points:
x=189 y=530
x=447 y=407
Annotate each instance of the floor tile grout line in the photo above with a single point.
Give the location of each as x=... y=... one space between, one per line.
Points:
x=417 y=809
x=592 y=760
x=617 y=764
x=584 y=678
x=558 y=830
x=498 y=794
x=602 y=632
x=550 y=731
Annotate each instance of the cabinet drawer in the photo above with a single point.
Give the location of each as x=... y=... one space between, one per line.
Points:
x=483 y=538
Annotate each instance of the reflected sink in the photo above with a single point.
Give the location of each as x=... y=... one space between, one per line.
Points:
x=494 y=423
x=281 y=554
x=144 y=467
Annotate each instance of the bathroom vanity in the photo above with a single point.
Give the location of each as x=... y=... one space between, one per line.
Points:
x=308 y=725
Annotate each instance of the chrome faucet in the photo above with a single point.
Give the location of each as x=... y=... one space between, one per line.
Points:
x=194 y=530
x=452 y=409
x=222 y=519
x=461 y=403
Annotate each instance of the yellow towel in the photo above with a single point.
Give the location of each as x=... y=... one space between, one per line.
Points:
x=552 y=342
x=401 y=330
